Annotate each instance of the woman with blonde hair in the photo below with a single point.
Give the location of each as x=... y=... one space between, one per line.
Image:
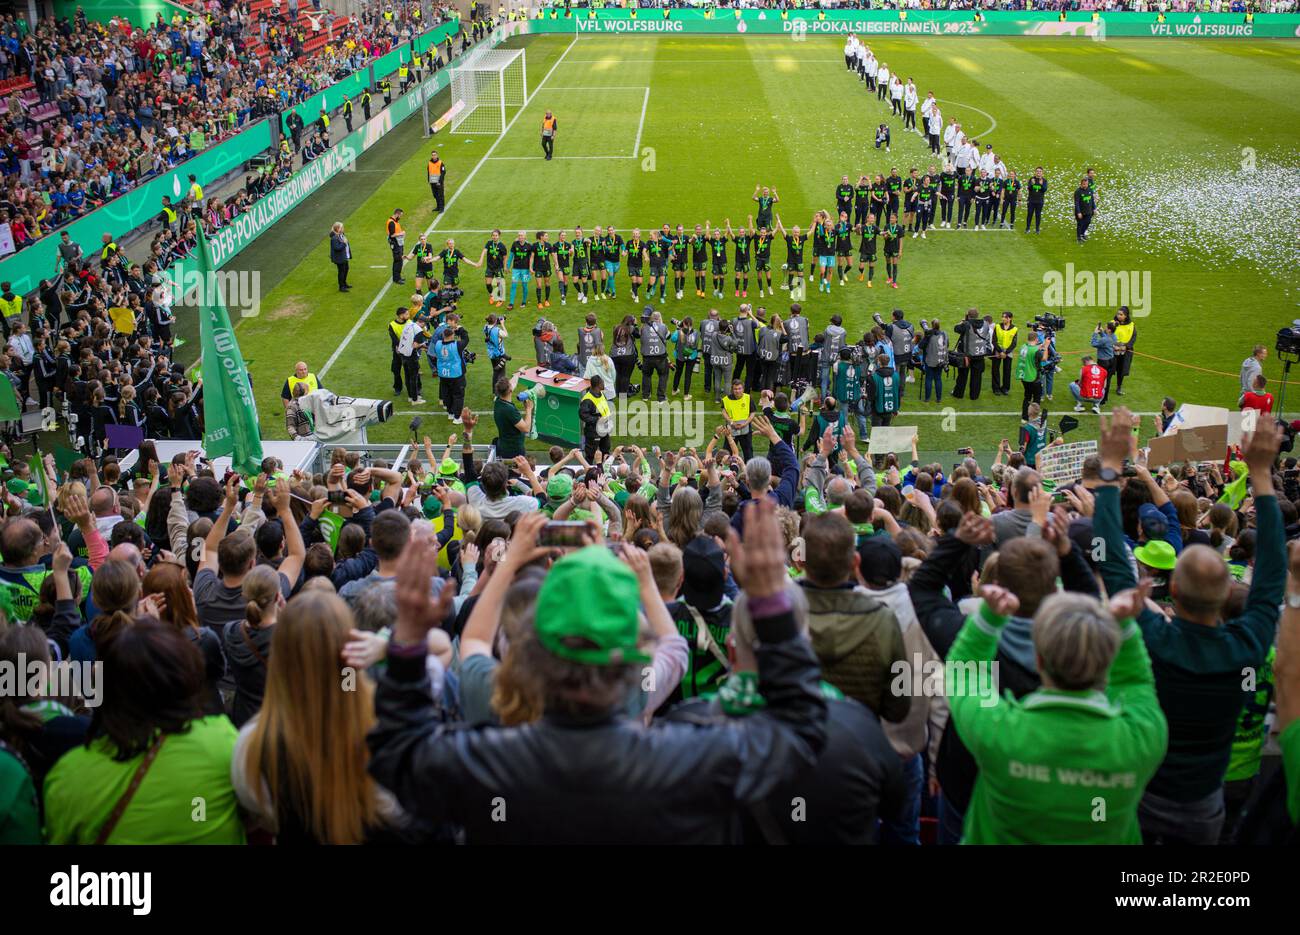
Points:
x=299 y=766
x=248 y=642
x=602 y=365
x=169 y=581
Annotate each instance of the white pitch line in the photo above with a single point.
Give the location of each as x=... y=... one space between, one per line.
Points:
x=636 y=147
x=525 y=158
x=379 y=297
x=993 y=123
x=596 y=87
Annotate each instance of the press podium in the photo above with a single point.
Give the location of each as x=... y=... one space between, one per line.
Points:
x=555 y=411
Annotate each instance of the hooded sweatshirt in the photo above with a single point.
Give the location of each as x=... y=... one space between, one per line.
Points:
x=248 y=650
x=924 y=669
x=858 y=642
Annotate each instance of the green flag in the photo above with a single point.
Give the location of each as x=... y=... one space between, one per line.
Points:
x=10 y=407
x=39 y=485
x=229 y=410
x=330 y=526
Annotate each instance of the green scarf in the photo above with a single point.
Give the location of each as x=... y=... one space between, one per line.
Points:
x=739 y=694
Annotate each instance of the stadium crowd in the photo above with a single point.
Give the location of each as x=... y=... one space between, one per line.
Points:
x=92 y=109
x=655 y=647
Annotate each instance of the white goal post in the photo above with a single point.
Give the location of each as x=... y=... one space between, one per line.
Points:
x=483 y=85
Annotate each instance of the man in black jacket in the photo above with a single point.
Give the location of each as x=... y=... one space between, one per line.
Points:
x=586 y=772
x=857 y=779
x=1028 y=566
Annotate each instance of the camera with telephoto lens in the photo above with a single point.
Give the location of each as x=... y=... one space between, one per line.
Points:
x=470 y=356
x=1050 y=322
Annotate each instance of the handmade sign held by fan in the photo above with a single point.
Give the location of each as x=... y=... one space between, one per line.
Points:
x=1202 y=443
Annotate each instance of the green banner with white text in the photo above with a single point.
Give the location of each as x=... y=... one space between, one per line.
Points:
x=798 y=23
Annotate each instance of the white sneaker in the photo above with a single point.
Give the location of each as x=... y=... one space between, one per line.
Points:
x=1078 y=407
x=923 y=237
x=1097 y=409
x=455 y=420
x=915 y=234
x=418 y=402
x=679 y=295
x=564 y=301
x=911 y=378
x=785 y=287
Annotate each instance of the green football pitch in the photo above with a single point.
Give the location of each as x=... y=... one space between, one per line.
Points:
x=1193 y=143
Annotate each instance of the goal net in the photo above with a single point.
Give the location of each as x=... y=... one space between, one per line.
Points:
x=484 y=85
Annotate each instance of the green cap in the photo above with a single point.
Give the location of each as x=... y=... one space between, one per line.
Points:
x=559 y=485
x=448 y=467
x=432 y=506
x=1157 y=554
x=17 y=486
x=590 y=598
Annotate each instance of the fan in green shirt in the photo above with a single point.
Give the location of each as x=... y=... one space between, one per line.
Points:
x=1068 y=763
x=186 y=796
x=508 y=419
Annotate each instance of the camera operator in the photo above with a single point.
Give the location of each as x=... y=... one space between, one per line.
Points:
x=974 y=343
x=1103 y=339
x=494 y=339
x=654 y=354
x=901 y=334
x=1089 y=389
x=934 y=350
x=450 y=357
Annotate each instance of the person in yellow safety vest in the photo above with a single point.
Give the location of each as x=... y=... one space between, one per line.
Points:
x=196 y=192
x=1004 y=345
x=417 y=67
x=347 y=112
x=403 y=76
x=11 y=306
x=395 y=329
x=593 y=410
x=300 y=375
x=365 y=103
x=167 y=217
x=1125 y=336
x=736 y=407
x=110 y=249
x=386 y=86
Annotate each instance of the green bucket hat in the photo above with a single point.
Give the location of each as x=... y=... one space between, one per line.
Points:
x=591 y=598
x=1157 y=554
x=448 y=467
x=559 y=485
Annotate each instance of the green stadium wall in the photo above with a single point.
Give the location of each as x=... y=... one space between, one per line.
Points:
x=136 y=12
